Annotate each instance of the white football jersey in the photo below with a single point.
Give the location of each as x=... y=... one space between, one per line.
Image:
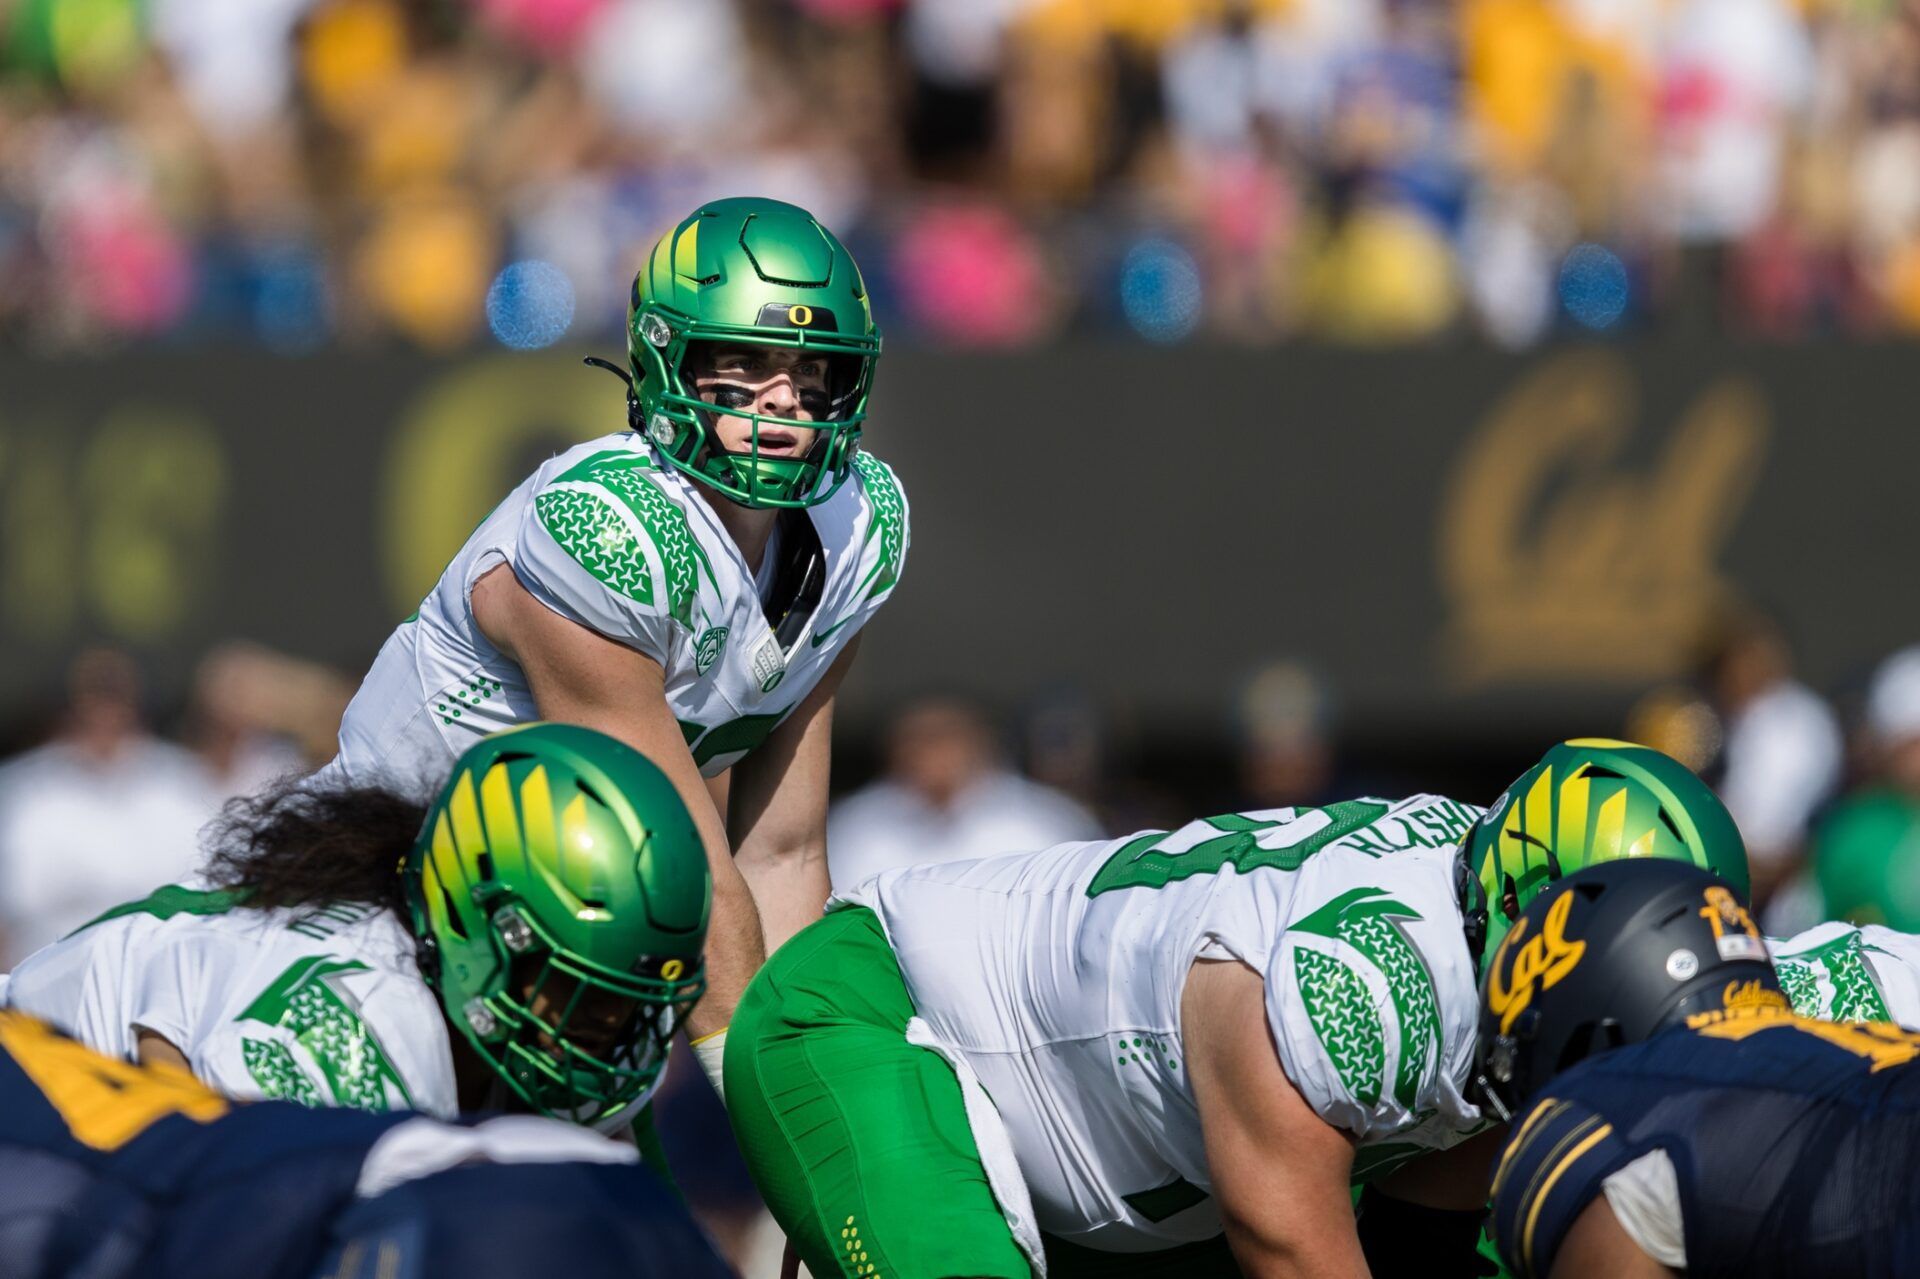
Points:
x=609 y=537
x=1055 y=978
x=1843 y=972
x=321 y=1006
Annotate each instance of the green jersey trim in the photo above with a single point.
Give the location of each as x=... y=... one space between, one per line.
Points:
x=888 y=523
x=168 y=901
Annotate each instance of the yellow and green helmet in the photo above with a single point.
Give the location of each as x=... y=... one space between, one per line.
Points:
x=559 y=894
x=1591 y=800
x=764 y=273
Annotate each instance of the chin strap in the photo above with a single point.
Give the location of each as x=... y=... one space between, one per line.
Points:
x=1471 y=897
x=633 y=393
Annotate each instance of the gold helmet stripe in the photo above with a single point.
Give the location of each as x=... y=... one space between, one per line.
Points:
x=465 y=812
x=503 y=823
x=1575 y=796
x=1610 y=829
x=1539 y=823
x=536 y=809
x=686 y=251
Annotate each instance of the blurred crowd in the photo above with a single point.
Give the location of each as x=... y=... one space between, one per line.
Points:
x=99 y=807
x=432 y=172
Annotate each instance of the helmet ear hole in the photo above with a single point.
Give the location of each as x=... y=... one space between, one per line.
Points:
x=1509 y=897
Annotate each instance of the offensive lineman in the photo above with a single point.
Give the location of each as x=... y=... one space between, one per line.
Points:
x=1671 y=1112
x=533 y=943
x=110 y=1170
x=694 y=585
x=1182 y=1046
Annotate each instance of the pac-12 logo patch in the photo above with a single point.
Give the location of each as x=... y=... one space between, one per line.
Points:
x=706 y=649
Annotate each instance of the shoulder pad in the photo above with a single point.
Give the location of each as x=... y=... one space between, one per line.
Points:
x=1346 y=1018
x=309 y=1008
x=599 y=510
x=1828 y=975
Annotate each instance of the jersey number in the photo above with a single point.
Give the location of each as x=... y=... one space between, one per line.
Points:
x=1142 y=863
x=105 y=1103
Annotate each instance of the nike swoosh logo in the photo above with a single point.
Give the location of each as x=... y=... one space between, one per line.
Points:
x=821 y=637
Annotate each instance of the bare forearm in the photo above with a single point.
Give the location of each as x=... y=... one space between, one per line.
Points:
x=790 y=887
x=1331 y=1252
x=580 y=677
x=735 y=951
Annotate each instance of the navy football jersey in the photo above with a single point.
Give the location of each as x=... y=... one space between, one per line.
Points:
x=1793 y=1143
x=113 y=1170
x=109 y=1168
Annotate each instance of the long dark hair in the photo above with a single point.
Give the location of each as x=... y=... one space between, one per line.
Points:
x=297 y=844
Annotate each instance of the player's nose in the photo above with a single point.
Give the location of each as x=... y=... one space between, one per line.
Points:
x=778 y=398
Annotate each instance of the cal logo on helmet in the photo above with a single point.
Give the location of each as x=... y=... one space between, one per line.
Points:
x=1525 y=965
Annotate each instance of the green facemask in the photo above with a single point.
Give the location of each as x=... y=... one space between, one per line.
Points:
x=758 y=273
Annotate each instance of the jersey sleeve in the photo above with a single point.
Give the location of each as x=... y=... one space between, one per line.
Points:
x=332 y=1032
x=602 y=545
x=1555 y=1164
x=883 y=548
x=1895 y=960
x=1843 y=972
x=1370 y=996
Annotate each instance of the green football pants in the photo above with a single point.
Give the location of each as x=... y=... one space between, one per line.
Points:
x=857 y=1139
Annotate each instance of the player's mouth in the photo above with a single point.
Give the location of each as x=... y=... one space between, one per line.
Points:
x=774 y=442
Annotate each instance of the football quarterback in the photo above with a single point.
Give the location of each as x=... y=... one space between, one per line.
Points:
x=692 y=585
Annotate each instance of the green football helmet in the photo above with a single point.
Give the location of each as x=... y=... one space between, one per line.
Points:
x=1588 y=801
x=760 y=273
x=559 y=893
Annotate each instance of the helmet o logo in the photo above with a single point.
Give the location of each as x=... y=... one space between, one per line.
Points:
x=800 y=316
x=671 y=970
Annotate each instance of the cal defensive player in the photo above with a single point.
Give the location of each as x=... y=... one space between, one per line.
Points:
x=1100 y=1057
x=1677 y=1114
x=112 y=1170
x=534 y=942
x=692 y=586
